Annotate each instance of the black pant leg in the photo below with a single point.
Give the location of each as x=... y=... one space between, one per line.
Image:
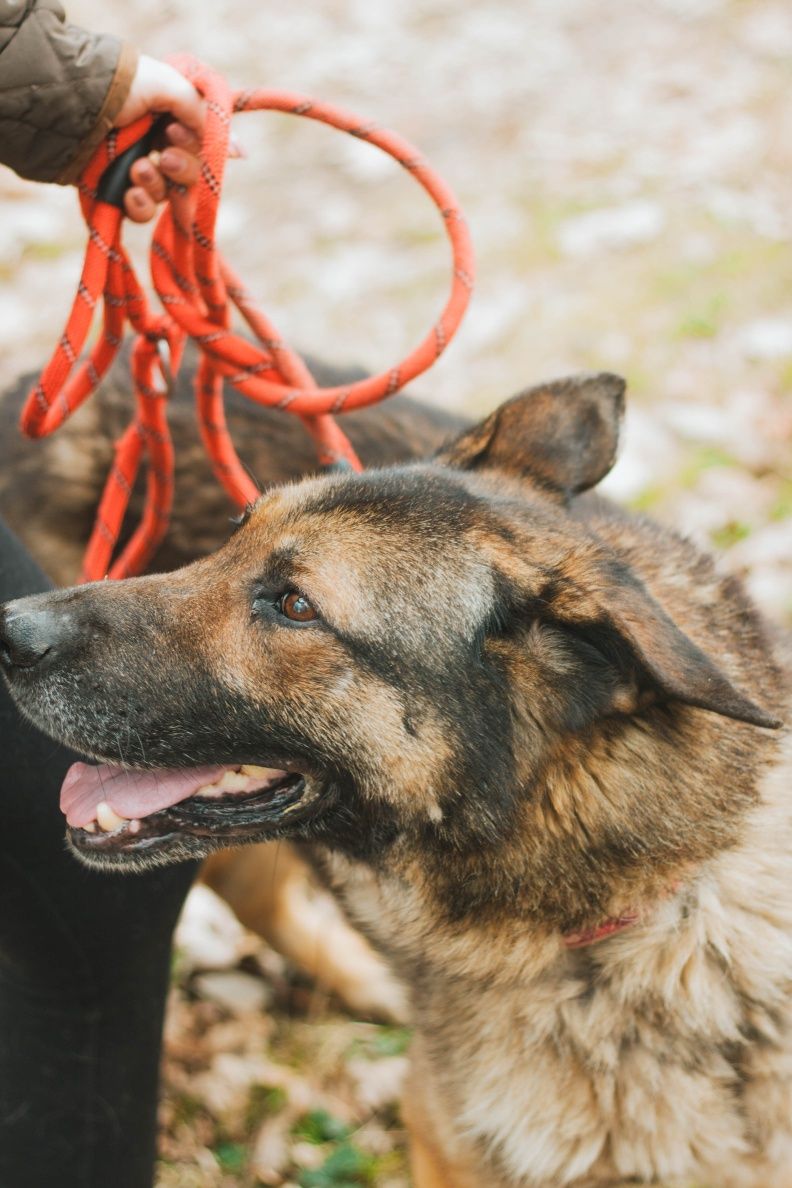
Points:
x=84 y=967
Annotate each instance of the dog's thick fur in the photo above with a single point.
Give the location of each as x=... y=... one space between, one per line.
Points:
x=520 y=713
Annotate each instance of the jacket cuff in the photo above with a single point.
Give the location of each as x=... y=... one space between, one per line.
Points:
x=114 y=101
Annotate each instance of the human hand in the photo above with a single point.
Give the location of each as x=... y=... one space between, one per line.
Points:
x=155 y=88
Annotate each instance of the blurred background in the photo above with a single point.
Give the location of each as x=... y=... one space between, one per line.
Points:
x=626 y=169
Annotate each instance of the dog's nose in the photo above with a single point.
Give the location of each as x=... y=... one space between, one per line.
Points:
x=27 y=636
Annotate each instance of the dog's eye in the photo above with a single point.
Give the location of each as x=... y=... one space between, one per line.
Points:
x=295 y=606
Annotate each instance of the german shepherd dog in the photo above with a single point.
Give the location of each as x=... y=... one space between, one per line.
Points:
x=534 y=744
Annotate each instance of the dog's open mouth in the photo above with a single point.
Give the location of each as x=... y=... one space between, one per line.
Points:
x=116 y=810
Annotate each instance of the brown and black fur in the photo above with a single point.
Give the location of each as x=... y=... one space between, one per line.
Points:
x=49 y=488
x=519 y=712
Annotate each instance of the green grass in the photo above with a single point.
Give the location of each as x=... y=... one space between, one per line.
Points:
x=264 y=1102
x=318 y=1126
x=730 y=534
x=706 y=321
x=232 y=1157
x=701 y=459
x=782 y=507
x=346 y=1167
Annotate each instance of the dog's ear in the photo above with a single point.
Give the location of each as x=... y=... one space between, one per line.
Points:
x=652 y=657
x=563 y=434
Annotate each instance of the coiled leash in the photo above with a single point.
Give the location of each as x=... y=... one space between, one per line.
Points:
x=197 y=290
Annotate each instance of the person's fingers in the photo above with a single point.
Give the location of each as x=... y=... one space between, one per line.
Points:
x=182 y=100
x=158 y=87
x=139 y=206
x=144 y=174
x=179 y=166
x=150 y=175
x=182 y=137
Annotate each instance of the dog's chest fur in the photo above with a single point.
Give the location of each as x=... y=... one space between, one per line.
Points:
x=664 y=1053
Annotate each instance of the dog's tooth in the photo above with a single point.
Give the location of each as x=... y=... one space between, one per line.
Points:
x=232 y=781
x=107 y=818
x=134 y=825
x=261 y=773
x=90 y=827
x=209 y=790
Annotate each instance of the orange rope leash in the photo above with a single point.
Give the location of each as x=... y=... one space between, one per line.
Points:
x=197 y=289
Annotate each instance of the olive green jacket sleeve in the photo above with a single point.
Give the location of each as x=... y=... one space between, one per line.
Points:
x=60 y=89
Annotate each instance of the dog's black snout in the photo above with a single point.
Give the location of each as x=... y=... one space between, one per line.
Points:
x=27 y=636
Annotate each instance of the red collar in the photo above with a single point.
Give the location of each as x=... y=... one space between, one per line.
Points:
x=612 y=925
x=590 y=936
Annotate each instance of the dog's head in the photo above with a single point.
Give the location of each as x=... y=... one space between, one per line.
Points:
x=405 y=652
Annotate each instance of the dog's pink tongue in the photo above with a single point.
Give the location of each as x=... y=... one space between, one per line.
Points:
x=130 y=793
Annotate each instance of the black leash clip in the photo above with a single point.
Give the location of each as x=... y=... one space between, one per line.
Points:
x=115 y=181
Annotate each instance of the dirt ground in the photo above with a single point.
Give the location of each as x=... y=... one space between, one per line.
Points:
x=626 y=168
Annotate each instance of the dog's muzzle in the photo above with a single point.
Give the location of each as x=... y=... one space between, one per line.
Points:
x=77 y=669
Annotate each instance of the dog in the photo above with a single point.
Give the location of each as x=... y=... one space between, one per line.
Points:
x=533 y=742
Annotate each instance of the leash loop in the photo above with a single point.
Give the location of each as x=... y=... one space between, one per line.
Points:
x=198 y=290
